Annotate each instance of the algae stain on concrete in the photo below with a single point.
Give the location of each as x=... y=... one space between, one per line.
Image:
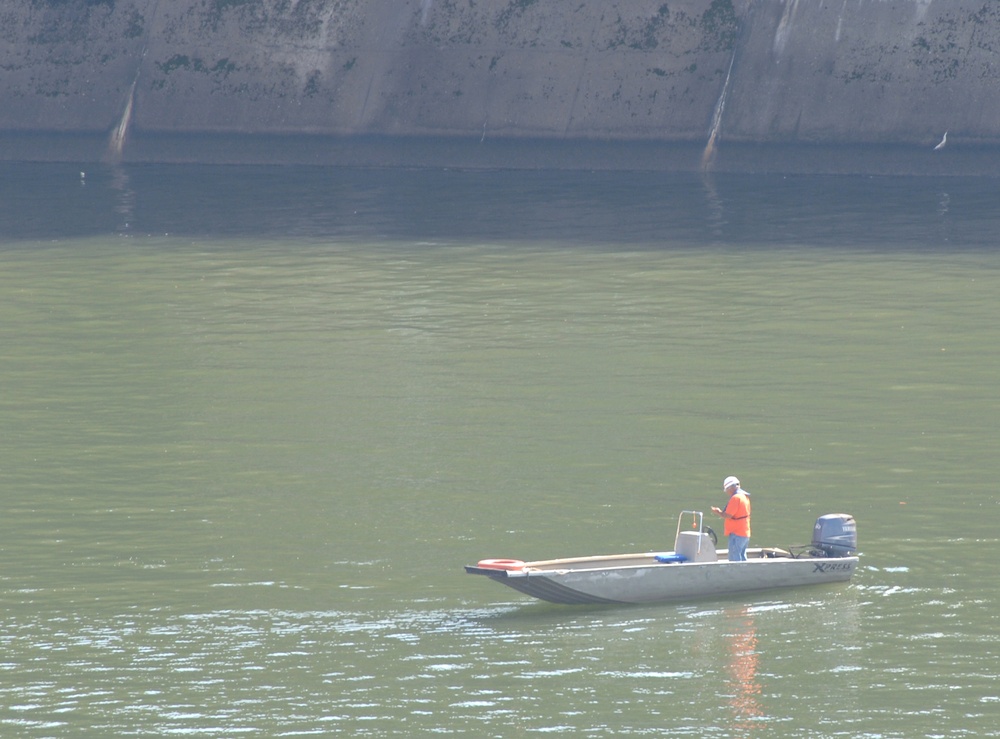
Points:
x=721 y=21
x=116 y=144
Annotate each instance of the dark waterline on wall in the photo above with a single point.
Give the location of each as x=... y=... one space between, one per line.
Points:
x=639 y=209
x=959 y=158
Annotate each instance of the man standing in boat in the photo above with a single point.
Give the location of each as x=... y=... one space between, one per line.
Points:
x=737 y=517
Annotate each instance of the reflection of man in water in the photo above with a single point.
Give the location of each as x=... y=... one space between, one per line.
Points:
x=737 y=515
x=742 y=669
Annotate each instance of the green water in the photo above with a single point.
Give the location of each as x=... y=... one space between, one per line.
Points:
x=255 y=422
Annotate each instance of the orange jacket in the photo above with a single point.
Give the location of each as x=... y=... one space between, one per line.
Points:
x=739 y=508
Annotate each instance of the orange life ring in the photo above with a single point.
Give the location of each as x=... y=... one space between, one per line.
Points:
x=501 y=564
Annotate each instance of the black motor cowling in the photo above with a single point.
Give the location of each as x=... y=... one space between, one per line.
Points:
x=836 y=535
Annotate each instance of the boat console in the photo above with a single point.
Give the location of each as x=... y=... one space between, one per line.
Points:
x=695 y=546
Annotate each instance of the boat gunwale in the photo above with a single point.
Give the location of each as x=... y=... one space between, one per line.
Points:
x=643 y=560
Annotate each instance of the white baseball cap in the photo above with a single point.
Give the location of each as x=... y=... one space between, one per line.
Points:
x=730 y=482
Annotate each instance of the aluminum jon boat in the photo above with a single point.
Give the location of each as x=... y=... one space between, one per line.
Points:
x=695 y=569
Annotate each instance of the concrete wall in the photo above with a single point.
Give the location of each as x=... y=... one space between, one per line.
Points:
x=878 y=71
x=659 y=72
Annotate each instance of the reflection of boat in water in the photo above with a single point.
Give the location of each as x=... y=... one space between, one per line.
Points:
x=695 y=568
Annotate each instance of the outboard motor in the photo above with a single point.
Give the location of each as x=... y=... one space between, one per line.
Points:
x=836 y=535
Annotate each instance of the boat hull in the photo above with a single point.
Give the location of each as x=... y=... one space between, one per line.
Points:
x=640 y=578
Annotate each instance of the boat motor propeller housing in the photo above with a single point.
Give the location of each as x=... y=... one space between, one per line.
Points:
x=836 y=535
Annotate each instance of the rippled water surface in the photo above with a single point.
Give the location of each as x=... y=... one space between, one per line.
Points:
x=256 y=420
